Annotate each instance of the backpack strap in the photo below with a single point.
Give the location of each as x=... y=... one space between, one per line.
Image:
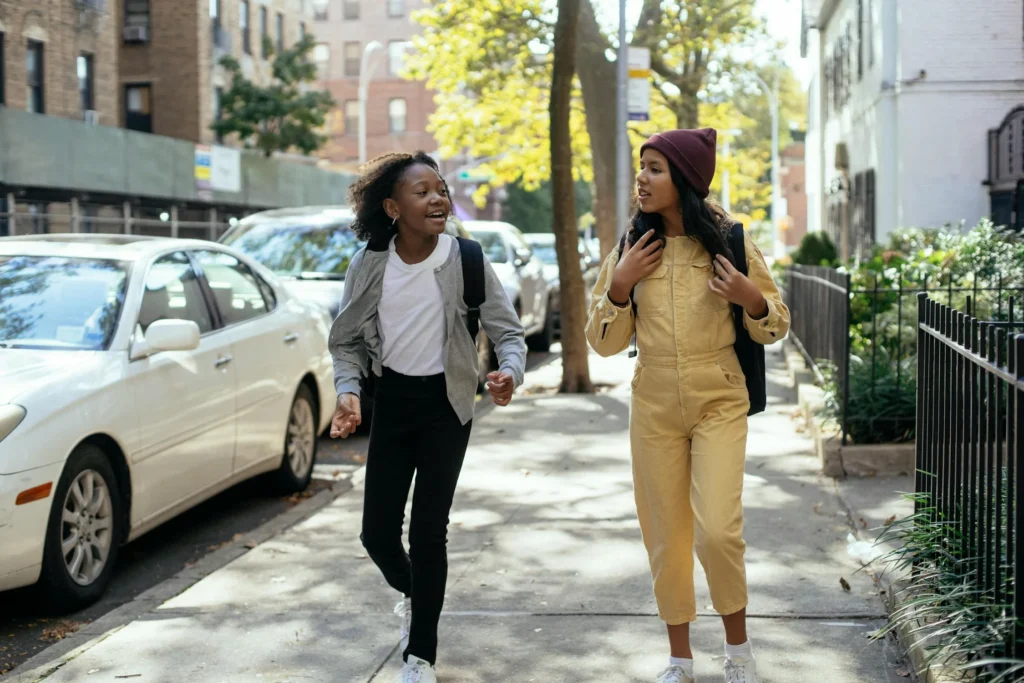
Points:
x=737 y=244
x=473 y=291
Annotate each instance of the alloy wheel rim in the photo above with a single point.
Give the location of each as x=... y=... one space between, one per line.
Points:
x=301 y=438
x=87 y=527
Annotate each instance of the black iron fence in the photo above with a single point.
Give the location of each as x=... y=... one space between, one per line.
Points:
x=863 y=339
x=970 y=451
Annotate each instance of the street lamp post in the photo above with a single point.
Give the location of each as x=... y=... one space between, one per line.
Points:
x=623 y=182
x=773 y=101
x=366 y=68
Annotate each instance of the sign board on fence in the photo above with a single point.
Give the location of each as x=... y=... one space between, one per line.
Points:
x=638 y=94
x=217 y=168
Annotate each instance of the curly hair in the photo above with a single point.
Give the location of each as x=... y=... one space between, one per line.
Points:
x=375 y=184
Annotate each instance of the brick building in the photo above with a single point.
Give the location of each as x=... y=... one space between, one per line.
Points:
x=792 y=180
x=170 y=53
x=397 y=111
x=915 y=115
x=59 y=57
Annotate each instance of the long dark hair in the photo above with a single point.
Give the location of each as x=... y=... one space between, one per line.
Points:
x=703 y=221
x=376 y=183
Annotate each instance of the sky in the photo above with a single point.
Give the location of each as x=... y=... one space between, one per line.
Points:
x=783 y=18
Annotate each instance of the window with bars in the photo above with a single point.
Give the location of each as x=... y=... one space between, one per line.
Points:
x=35 y=77
x=243 y=20
x=136 y=16
x=264 y=33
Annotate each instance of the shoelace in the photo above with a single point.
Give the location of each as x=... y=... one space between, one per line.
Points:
x=673 y=674
x=734 y=673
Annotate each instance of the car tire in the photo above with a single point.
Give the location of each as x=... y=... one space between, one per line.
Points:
x=542 y=340
x=300 y=445
x=87 y=506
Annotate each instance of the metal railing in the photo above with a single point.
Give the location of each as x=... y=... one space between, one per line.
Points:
x=24 y=223
x=836 y=325
x=970 y=450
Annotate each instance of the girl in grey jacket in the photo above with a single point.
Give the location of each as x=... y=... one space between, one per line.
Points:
x=404 y=319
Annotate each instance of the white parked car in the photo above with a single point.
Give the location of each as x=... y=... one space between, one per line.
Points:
x=522 y=275
x=138 y=377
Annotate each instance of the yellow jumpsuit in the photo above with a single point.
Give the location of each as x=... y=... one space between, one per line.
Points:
x=688 y=418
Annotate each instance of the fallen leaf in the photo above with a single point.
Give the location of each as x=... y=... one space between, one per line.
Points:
x=845 y=584
x=92 y=671
x=59 y=631
x=863 y=524
x=889 y=522
x=903 y=673
x=537 y=630
x=250 y=544
x=235 y=538
x=817 y=508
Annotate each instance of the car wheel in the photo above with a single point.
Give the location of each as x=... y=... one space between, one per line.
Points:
x=84 y=532
x=300 y=444
x=543 y=339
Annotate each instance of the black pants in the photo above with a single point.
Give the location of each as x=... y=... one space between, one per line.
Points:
x=415 y=429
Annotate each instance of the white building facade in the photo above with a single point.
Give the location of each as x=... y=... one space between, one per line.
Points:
x=914 y=117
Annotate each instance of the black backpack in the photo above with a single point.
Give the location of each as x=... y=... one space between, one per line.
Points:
x=749 y=352
x=473 y=292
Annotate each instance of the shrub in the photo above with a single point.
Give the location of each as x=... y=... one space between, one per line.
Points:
x=816 y=249
x=882 y=402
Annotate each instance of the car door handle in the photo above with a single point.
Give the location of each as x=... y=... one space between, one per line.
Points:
x=222 y=361
x=291 y=338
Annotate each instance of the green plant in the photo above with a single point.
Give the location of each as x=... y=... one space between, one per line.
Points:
x=816 y=249
x=280 y=116
x=961 y=626
x=882 y=399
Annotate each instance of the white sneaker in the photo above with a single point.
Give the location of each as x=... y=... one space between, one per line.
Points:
x=417 y=670
x=675 y=674
x=403 y=611
x=740 y=670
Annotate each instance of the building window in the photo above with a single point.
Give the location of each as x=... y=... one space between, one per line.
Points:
x=138 y=107
x=353 y=54
x=264 y=34
x=351 y=117
x=34 y=72
x=279 y=33
x=351 y=12
x=870 y=31
x=215 y=10
x=86 y=82
x=860 y=39
x=218 y=114
x=2 y=73
x=396 y=56
x=243 y=18
x=396 y=8
x=862 y=238
x=136 y=21
x=397 y=112
x=320 y=13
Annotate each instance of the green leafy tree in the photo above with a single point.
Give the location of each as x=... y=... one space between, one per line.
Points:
x=283 y=115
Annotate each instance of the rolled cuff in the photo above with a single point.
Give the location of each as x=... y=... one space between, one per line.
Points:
x=347 y=387
x=767 y=329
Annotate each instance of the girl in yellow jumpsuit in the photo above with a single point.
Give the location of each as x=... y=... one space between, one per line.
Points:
x=672 y=284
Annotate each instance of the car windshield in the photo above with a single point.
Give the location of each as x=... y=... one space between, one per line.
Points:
x=546 y=253
x=308 y=252
x=493 y=245
x=52 y=302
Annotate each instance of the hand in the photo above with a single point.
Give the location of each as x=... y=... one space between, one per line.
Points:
x=347 y=416
x=500 y=386
x=737 y=288
x=637 y=262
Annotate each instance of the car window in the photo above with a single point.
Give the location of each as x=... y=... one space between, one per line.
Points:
x=493 y=245
x=546 y=253
x=52 y=302
x=295 y=251
x=173 y=293
x=236 y=289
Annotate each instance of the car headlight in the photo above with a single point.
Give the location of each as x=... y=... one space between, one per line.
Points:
x=10 y=417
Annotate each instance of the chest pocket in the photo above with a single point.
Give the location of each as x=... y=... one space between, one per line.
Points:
x=702 y=299
x=654 y=293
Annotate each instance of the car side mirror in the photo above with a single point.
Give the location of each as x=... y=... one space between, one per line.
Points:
x=522 y=258
x=165 y=335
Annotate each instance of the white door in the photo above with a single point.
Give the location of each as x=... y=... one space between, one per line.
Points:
x=185 y=399
x=269 y=355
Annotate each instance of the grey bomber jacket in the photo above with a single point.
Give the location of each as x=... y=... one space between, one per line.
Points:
x=356 y=340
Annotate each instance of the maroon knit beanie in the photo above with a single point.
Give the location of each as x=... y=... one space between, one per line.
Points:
x=692 y=152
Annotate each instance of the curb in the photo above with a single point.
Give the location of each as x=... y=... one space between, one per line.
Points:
x=54 y=657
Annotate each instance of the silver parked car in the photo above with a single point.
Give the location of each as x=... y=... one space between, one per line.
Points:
x=543 y=245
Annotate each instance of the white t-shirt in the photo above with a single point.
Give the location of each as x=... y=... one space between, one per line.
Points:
x=411 y=313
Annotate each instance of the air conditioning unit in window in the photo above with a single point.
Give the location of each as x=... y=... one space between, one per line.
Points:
x=136 y=34
x=91 y=117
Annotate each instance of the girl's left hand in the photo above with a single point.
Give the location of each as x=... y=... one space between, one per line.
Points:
x=737 y=288
x=500 y=386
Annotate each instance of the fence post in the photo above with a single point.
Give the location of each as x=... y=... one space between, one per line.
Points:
x=919 y=445
x=846 y=356
x=1017 y=457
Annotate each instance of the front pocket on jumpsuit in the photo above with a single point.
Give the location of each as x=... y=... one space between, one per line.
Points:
x=637 y=372
x=702 y=299
x=653 y=294
x=735 y=378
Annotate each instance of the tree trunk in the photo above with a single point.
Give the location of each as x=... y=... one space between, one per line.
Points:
x=575 y=362
x=598 y=80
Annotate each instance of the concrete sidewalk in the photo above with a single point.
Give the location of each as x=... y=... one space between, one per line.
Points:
x=548 y=578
